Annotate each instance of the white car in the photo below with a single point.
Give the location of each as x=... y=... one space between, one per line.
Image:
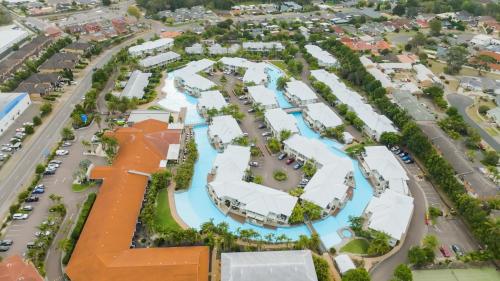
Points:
x=27 y=124
x=66 y=144
x=20 y=130
x=19 y=216
x=53 y=166
x=6 y=149
x=62 y=152
x=27 y=208
x=58 y=162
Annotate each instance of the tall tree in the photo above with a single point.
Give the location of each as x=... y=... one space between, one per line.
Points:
x=358 y=274
x=456 y=57
x=435 y=26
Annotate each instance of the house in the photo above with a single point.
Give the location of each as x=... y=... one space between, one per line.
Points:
x=290 y=6
x=223 y=130
x=269 y=266
x=390 y=213
x=59 y=62
x=136 y=84
x=324 y=58
x=379 y=163
x=494 y=115
x=79 y=47
x=188 y=79
x=39 y=84
x=425 y=76
x=92 y=27
x=298 y=93
x=196 y=49
x=210 y=100
x=262 y=46
x=151 y=47
x=262 y=96
x=483 y=40
x=338 y=30
x=14 y=268
x=12 y=105
x=320 y=117
x=407 y=101
x=344 y=263
x=159 y=60
x=103 y=251
x=278 y=120
x=495 y=59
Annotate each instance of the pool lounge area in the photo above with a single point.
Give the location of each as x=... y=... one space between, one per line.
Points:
x=195 y=207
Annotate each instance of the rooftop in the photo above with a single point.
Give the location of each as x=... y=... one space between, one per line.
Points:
x=264 y=96
x=300 y=90
x=158 y=59
x=312 y=149
x=150 y=46
x=211 y=100
x=344 y=263
x=8 y=101
x=13 y=268
x=381 y=159
x=225 y=128
x=136 y=84
x=232 y=163
x=279 y=120
x=321 y=55
x=323 y=114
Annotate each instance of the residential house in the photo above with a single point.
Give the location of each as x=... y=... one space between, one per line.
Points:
x=196 y=49
x=494 y=115
x=59 y=62
x=263 y=46
x=40 y=84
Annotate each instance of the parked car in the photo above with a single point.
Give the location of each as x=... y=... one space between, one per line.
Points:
x=4 y=248
x=6 y=149
x=444 y=250
x=245 y=134
x=297 y=166
x=42 y=233
x=254 y=164
x=27 y=208
x=243 y=97
x=403 y=154
x=247 y=102
x=55 y=162
x=52 y=166
x=31 y=199
x=61 y=152
x=20 y=130
x=409 y=161
x=28 y=124
x=19 y=216
x=458 y=251
x=282 y=156
x=394 y=148
x=49 y=171
x=31 y=245
x=290 y=161
x=251 y=110
x=265 y=134
x=66 y=144
x=262 y=126
x=6 y=242
x=38 y=191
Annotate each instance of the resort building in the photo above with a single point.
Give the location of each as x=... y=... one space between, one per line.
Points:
x=374 y=124
x=223 y=130
x=196 y=49
x=159 y=60
x=390 y=213
x=324 y=58
x=136 y=84
x=151 y=47
x=383 y=78
x=188 y=79
x=331 y=186
x=302 y=149
x=12 y=105
x=217 y=49
x=320 y=117
x=344 y=263
x=140 y=115
x=262 y=46
x=210 y=100
x=269 y=266
x=380 y=164
x=103 y=251
x=254 y=72
x=278 y=120
x=298 y=93
x=262 y=96
x=232 y=164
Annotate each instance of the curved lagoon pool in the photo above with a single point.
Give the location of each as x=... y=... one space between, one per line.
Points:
x=194 y=205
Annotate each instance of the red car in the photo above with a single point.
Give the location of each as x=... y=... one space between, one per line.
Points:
x=290 y=161
x=444 y=250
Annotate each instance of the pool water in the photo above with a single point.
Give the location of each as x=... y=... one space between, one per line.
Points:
x=195 y=207
x=346 y=233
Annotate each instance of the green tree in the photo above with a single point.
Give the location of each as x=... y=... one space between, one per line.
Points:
x=40 y=168
x=379 y=244
x=483 y=109
x=45 y=109
x=399 y=9
x=430 y=241
x=483 y=63
x=134 y=11
x=67 y=134
x=37 y=121
x=402 y=273
x=435 y=26
x=284 y=135
x=390 y=138
x=358 y=274
x=490 y=158
x=322 y=268
x=281 y=82
x=28 y=129
x=106 y=2
x=309 y=169
x=274 y=145
x=456 y=57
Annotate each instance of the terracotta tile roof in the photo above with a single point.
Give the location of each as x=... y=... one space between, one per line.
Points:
x=360 y=45
x=14 y=268
x=170 y=34
x=495 y=56
x=103 y=250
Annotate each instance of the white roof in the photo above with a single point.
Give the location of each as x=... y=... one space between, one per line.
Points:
x=344 y=263
x=279 y=120
x=158 y=59
x=256 y=198
x=380 y=76
x=136 y=84
x=321 y=55
x=141 y=115
x=225 y=128
x=395 y=65
x=328 y=183
x=256 y=73
x=323 y=114
x=211 y=99
x=197 y=66
x=232 y=163
x=381 y=159
x=151 y=46
x=173 y=151
x=390 y=213
x=424 y=74
x=236 y=62
x=190 y=77
x=409 y=86
x=262 y=45
x=268 y=266
x=197 y=48
x=300 y=90
x=10 y=35
x=366 y=62
x=263 y=95
x=312 y=149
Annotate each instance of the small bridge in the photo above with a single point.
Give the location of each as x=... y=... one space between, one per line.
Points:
x=293 y=109
x=311 y=228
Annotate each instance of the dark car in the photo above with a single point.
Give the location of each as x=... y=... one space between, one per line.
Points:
x=282 y=156
x=6 y=242
x=262 y=126
x=31 y=199
x=458 y=251
x=4 y=248
x=409 y=161
x=297 y=166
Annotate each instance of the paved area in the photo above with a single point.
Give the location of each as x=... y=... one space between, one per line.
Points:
x=453 y=152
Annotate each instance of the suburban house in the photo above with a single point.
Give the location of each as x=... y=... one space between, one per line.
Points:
x=278 y=120
x=195 y=49
x=79 y=47
x=324 y=58
x=151 y=47
x=320 y=117
x=223 y=130
x=298 y=93
x=262 y=96
x=210 y=100
x=188 y=79
x=39 y=84
x=159 y=60
x=59 y=62
x=262 y=46
x=494 y=115
x=136 y=84
x=268 y=265
x=425 y=76
x=12 y=105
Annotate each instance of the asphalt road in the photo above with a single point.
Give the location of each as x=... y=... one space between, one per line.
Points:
x=461 y=103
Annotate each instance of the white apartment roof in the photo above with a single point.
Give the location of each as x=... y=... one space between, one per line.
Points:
x=232 y=163
x=236 y=62
x=197 y=66
x=279 y=120
x=262 y=45
x=382 y=160
x=366 y=62
x=269 y=266
x=141 y=115
x=257 y=198
x=263 y=95
x=211 y=99
x=256 y=73
x=300 y=90
x=395 y=65
x=312 y=149
x=321 y=55
x=10 y=35
x=344 y=263
x=160 y=58
x=225 y=128
x=390 y=213
x=380 y=76
x=173 y=151
x=424 y=74
x=150 y=46
x=328 y=183
x=190 y=77
x=197 y=48
x=323 y=114
x=136 y=84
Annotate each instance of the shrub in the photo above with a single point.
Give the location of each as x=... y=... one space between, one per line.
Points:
x=37 y=121
x=280 y=175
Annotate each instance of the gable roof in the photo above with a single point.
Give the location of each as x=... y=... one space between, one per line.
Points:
x=225 y=128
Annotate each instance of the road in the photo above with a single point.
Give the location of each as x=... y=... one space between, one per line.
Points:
x=461 y=103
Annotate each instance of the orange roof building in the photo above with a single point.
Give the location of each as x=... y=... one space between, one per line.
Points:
x=360 y=45
x=170 y=34
x=495 y=56
x=103 y=251
x=14 y=268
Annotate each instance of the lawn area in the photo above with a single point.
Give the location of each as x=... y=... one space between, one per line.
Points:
x=356 y=246
x=281 y=65
x=163 y=217
x=76 y=187
x=471 y=274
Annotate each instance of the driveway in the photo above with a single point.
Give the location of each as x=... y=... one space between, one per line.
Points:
x=461 y=103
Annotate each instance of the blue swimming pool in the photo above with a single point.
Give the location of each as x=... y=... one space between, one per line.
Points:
x=195 y=207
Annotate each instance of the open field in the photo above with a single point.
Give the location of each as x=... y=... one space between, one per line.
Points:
x=479 y=274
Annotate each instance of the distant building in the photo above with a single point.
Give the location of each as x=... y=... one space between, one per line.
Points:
x=494 y=115
x=290 y=6
x=136 y=84
x=324 y=58
x=151 y=47
x=196 y=49
x=159 y=60
x=262 y=46
x=12 y=105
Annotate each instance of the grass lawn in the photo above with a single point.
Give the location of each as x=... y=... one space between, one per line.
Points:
x=356 y=246
x=76 y=187
x=281 y=65
x=470 y=274
x=163 y=217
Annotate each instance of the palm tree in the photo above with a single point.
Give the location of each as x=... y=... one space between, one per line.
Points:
x=98 y=120
x=67 y=133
